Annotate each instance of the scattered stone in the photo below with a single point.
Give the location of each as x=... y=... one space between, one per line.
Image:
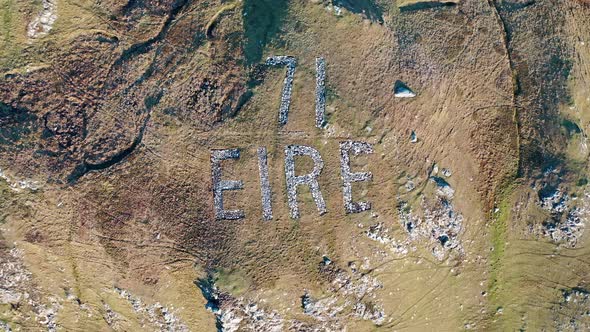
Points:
x=18 y=185
x=434 y=169
x=441 y=225
x=237 y=314
x=446 y=172
x=443 y=187
x=401 y=90
x=413 y=137
x=153 y=314
x=13 y=278
x=567 y=223
x=351 y=292
x=47 y=315
x=17 y=289
x=572 y=313
x=554 y=201
x=322 y=310
x=410 y=185
x=366 y=8
x=380 y=234
x=5 y=327
x=369 y=312
x=111 y=317
x=569 y=231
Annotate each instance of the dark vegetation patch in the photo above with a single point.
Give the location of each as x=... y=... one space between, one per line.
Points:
x=262 y=21
x=571 y=128
x=515 y=5
x=146 y=46
x=86 y=166
x=541 y=69
x=423 y=5
x=15 y=124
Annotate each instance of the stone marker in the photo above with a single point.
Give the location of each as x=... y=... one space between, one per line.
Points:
x=349 y=177
x=219 y=185
x=310 y=179
x=264 y=184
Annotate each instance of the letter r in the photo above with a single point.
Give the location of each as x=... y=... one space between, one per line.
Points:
x=310 y=179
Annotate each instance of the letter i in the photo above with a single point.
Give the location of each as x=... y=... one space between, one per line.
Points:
x=264 y=184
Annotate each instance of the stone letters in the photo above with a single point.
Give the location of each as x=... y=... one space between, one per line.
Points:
x=293 y=181
x=290 y=63
x=219 y=185
x=310 y=179
x=320 y=92
x=264 y=184
x=320 y=87
x=348 y=177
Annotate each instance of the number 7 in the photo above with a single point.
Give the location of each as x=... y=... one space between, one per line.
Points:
x=320 y=87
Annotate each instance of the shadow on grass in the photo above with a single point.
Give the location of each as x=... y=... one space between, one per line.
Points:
x=262 y=21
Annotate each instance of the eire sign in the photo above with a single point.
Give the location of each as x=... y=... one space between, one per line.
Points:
x=347 y=148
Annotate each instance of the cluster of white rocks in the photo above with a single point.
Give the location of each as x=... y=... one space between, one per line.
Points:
x=46 y=315
x=439 y=225
x=568 y=216
x=155 y=314
x=323 y=310
x=380 y=233
x=244 y=315
x=13 y=278
x=18 y=185
x=350 y=293
x=5 y=327
x=17 y=288
x=361 y=287
x=43 y=22
x=443 y=188
x=111 y=317
x=572 y=313
x=238 y=314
